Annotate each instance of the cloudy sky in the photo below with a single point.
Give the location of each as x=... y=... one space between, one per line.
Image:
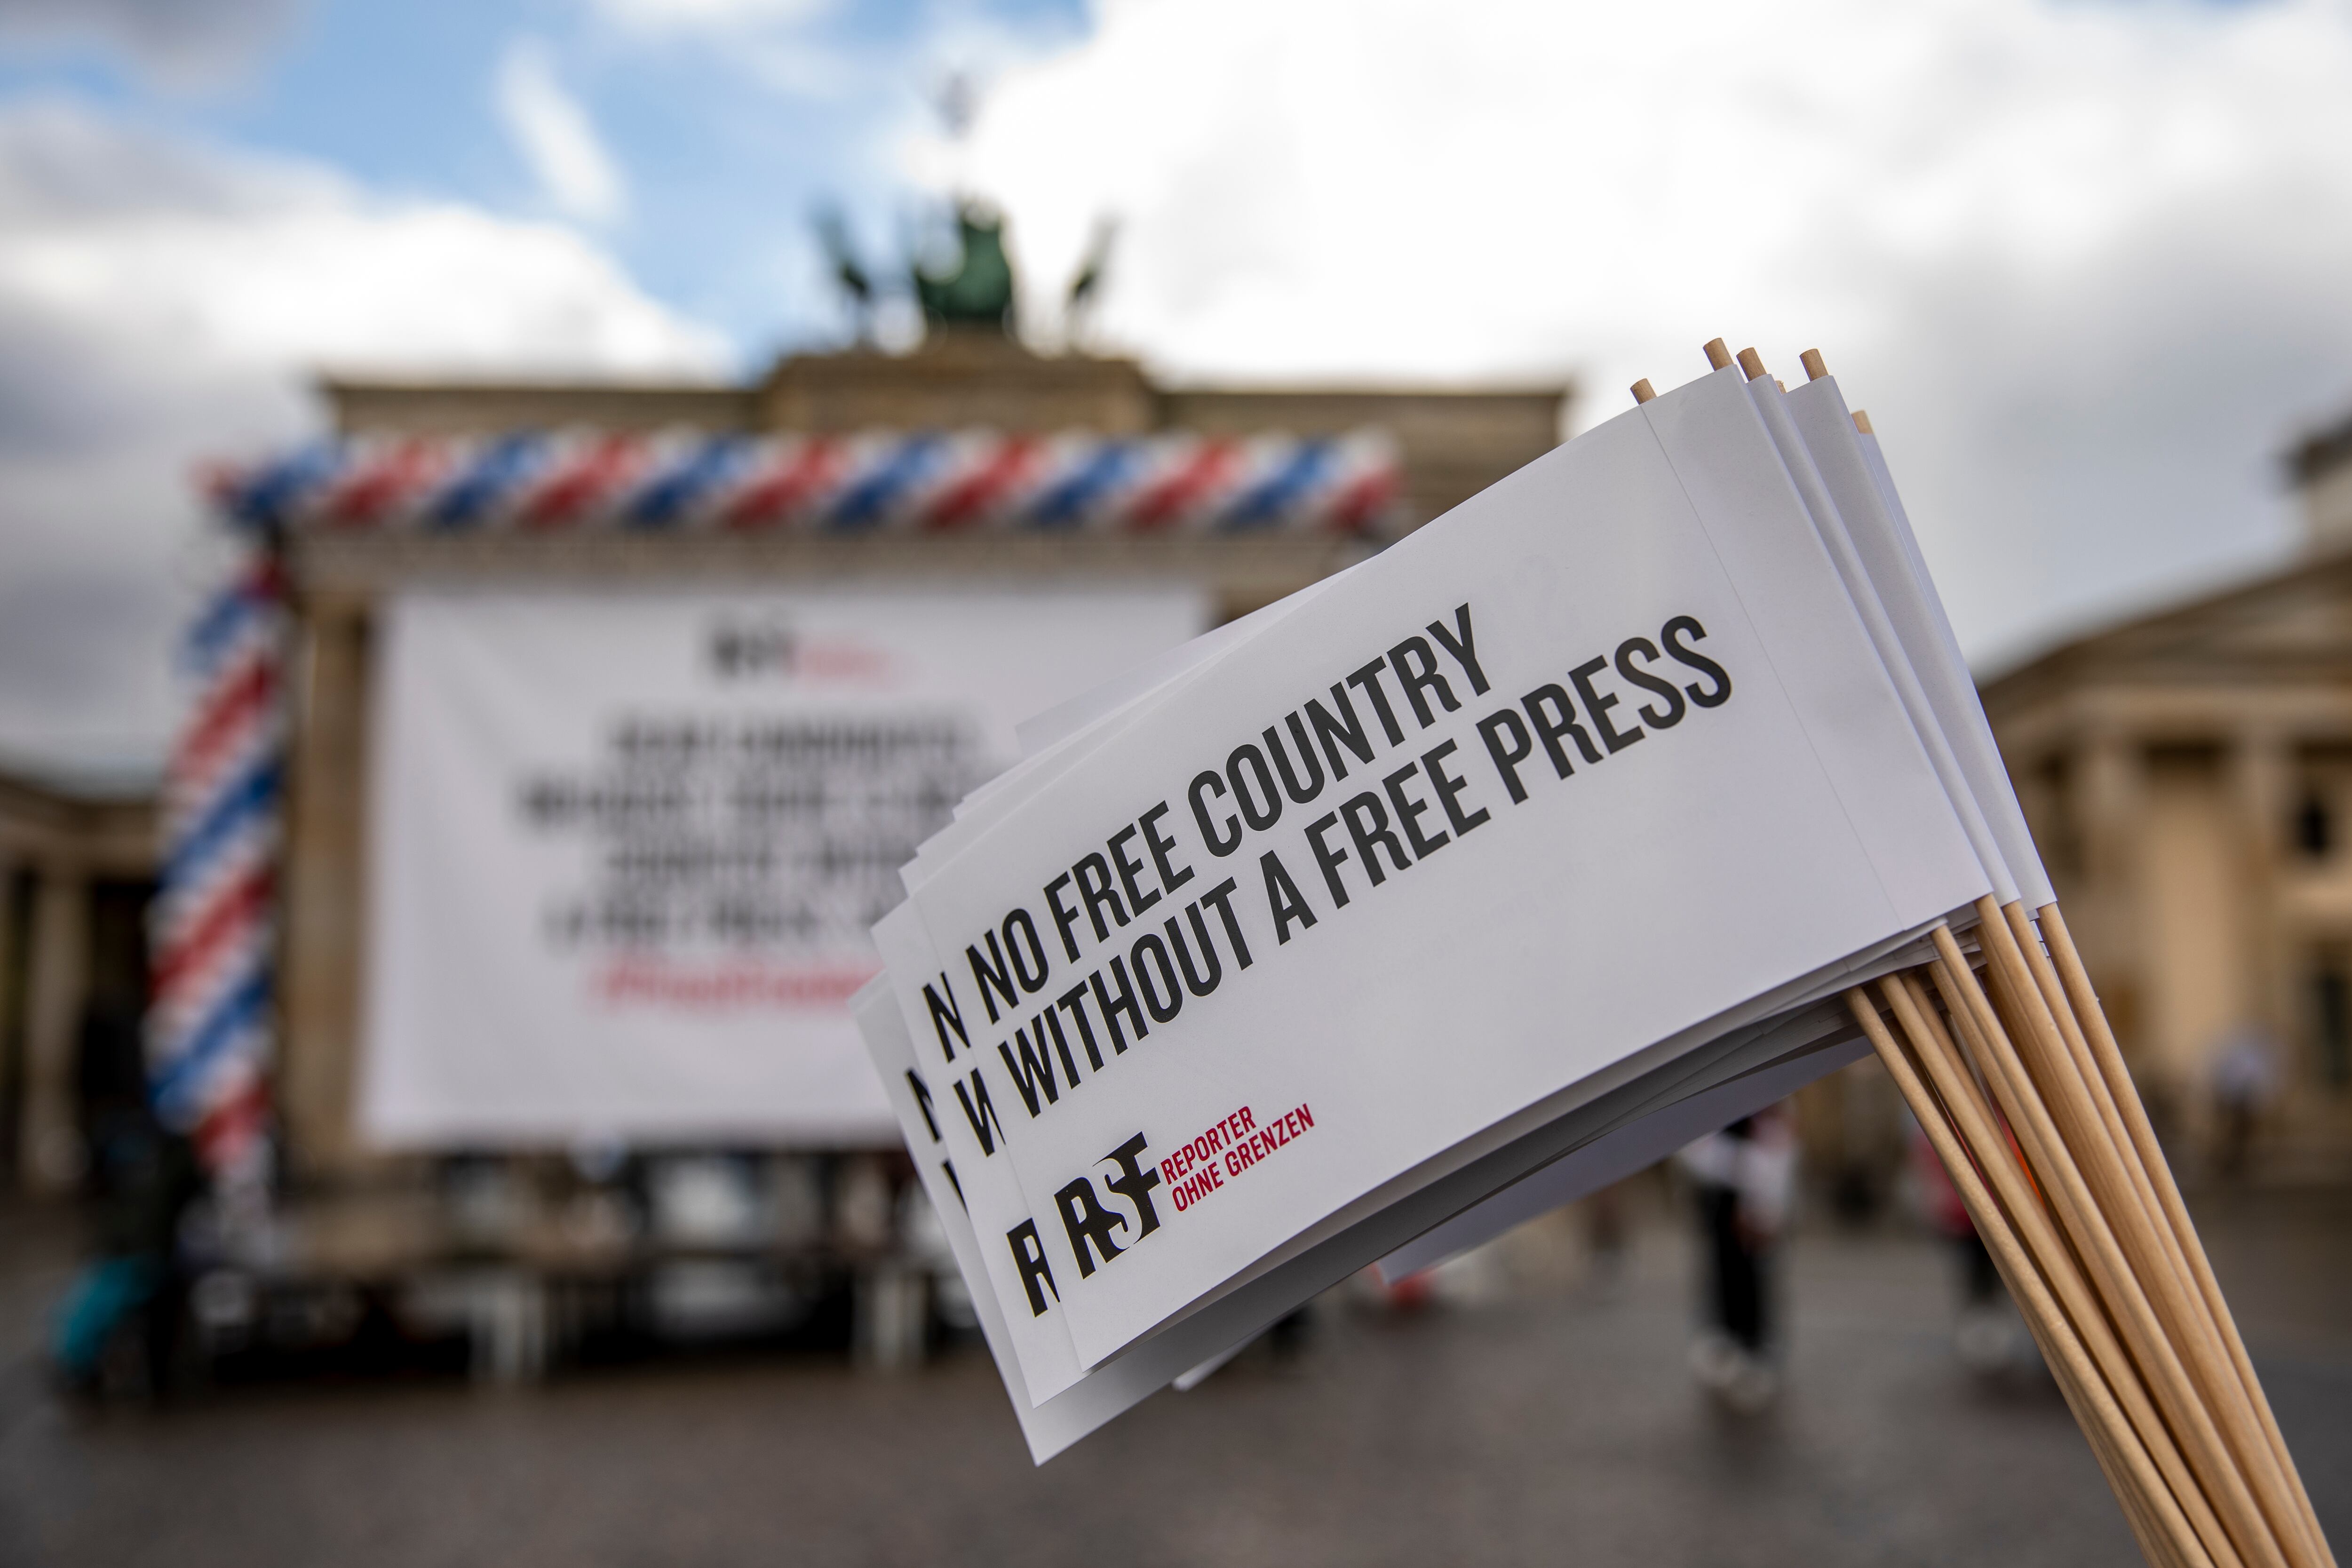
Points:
x=2088 y=263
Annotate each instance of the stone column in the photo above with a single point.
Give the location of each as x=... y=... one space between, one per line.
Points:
x=2110 y=766
x=56 y=986
x=321 y=881
x=2262 y=774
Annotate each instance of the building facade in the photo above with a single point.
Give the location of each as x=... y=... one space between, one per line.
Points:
x=76 y=868
x=2188 y=776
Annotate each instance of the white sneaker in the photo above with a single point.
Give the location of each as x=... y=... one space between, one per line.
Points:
x=1753 y=1386
x=1714 y=1360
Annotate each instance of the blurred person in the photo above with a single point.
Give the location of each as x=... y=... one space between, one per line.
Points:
x=114 y=1121
x=2245 y=1078
x=1744 y=1178
x=118 y=1327
x=1985 y=1338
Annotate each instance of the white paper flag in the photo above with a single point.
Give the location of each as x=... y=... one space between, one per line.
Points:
x=1619 y=757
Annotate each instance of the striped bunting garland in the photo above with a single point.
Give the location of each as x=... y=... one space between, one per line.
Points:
x=534 y=482
x=214 y=920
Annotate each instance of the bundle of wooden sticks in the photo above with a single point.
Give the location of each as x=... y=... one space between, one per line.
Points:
x=2008 y=1061
x=2018 y=1082
x=2012 y=1071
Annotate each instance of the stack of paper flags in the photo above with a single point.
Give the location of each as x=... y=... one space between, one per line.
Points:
x=1447 y=890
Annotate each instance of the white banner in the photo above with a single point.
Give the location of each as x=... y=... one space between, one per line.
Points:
x=625 y=848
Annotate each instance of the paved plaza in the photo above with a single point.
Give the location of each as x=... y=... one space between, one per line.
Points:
x=1539 y=1411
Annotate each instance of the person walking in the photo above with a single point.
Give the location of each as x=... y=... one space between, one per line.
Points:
x=2245 y=1077
x=1743 y=1179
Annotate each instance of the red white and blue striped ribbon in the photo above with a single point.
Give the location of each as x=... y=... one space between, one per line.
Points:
x=213 y=930
x=956 y=481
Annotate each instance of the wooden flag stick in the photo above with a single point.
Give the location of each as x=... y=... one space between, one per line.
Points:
x=2088 y=1227
x=1998 y=1161
x=2150 y=1504
x=2097 y=1146
x=2109 y=1060
x=2024 y=940
x=2084 y=1228
x=1980 y=1131
x=2100 y=1041
x=2155 y=1546
x=1717 y=356
x=2134 y=1483
x=2203 y=1308
x=1643 y=391
x=2095 y=1130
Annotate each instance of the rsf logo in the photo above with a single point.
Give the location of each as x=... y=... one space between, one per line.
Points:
x=740 y=650
x=773 y=649
x=1092 y=1226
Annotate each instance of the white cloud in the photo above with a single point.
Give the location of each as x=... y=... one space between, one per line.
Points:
x=552 y=132
x=163 y=303
x=181 y=42
x=2084 y=262
x=710 y=15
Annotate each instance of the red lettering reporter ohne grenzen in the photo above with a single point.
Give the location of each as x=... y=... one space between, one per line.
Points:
x=1232 y=1147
